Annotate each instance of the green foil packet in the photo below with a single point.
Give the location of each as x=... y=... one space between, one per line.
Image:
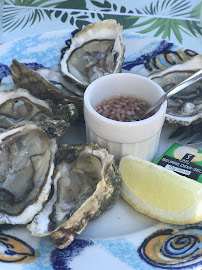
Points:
x=184 y=160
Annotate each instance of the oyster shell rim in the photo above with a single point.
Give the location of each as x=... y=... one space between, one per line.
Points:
x=104 y=189
x=89 y=30
x=196 y=61
x=43 y=195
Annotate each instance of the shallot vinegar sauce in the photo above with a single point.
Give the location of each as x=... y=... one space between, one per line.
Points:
x=122 y=108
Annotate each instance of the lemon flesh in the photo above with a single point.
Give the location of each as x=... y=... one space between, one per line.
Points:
x=159 y=192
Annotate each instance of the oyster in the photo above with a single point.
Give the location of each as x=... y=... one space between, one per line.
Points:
x=185 y=107
x=19 y=107
x=26 y=166
x=63 y=106
x=86 y=184
x=95 y=51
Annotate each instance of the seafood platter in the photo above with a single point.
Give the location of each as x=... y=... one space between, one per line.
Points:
x=54 y=185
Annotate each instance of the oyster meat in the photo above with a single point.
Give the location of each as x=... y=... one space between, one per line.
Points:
x=86 y=184
x=95 y=51
x=20 y=107
x=26 y=166
x=185 y=107
x=57 y=195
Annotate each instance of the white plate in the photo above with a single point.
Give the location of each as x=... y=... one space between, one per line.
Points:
x=122 y=238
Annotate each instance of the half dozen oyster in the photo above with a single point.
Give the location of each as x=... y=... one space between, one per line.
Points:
x=57 y=191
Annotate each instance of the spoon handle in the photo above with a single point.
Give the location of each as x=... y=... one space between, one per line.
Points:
x=154 y=106
x=194 y=78
x=174 y=90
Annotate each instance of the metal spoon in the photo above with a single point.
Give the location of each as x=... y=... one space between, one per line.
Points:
x=174 y=90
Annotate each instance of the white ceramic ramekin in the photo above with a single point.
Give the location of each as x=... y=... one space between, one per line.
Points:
x=139 y=138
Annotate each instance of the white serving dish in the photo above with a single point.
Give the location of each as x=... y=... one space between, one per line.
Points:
x=140 y=138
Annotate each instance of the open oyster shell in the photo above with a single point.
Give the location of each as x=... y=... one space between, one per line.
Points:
x=63 y=106
x=20 y=107
x=26 y=166
x=185 y=107
x=86 y=184
x=95 y=51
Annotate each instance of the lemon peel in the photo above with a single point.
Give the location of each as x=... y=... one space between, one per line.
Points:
x=160 y=193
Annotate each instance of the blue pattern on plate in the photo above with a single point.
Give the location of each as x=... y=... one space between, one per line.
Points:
x=126 y=252
x=4 y=71
x=14 y=250
x=179 y=248
x=43 y=261
x=61 y=259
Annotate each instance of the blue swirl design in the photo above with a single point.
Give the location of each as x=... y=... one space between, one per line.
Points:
x=162 y=57
x=173 y=248
x=14 y=250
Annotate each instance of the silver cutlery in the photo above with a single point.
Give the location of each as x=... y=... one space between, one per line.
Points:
x=174 y=90
x=191 y=134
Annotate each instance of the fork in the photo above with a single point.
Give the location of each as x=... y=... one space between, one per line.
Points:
x=191 y=134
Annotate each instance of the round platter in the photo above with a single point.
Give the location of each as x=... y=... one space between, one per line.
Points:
x=122 y=238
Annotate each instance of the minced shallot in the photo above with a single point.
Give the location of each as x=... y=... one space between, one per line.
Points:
x=122 y=108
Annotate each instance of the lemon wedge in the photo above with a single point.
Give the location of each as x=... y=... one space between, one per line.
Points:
x=160 y=193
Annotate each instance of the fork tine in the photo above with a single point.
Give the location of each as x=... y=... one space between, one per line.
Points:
x=197 y=140
x=179 y=133
x=191 y=134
